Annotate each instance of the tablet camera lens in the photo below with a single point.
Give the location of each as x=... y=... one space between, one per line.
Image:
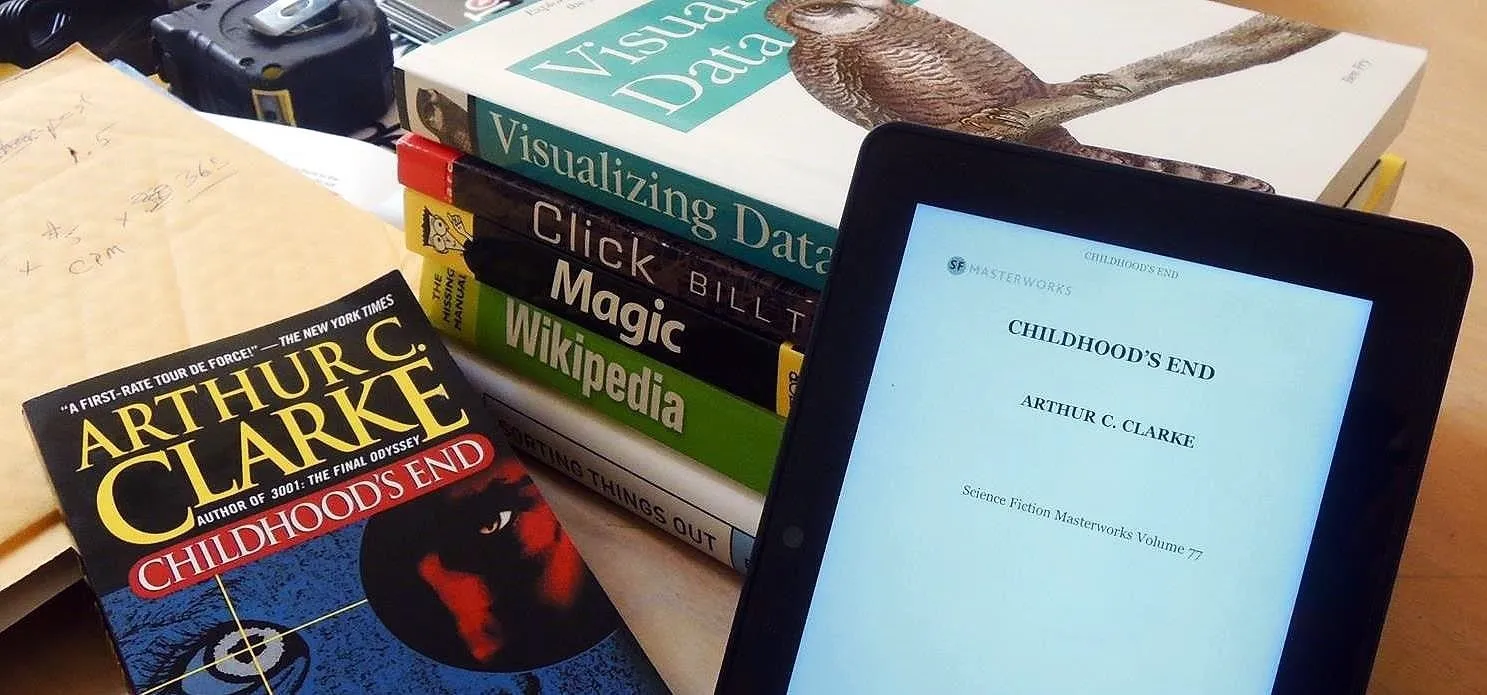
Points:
x=793 y=537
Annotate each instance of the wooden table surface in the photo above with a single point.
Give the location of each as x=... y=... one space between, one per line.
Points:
x=680 y=604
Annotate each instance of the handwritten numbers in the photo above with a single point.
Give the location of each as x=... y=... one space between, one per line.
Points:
x=70 y=130
x=101 y=138
x=153 y=198
x=56 y=232
x=206 y=174
x=100 y=141
x=70 y=135
x=196 y=180
x=203 y=170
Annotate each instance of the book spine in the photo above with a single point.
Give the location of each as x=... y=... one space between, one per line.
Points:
x=753 y=231
x=725 y=287
x=671 y=492
x=730 y=435
x=747 y=365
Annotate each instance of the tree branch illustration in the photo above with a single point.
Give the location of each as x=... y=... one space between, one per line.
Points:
x=1256 y=41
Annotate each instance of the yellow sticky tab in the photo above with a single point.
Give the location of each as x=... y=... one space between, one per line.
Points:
x=1385 y=185
x=788 y=379
x=435 y=229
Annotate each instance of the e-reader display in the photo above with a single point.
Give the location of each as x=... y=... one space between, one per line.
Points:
x=1071 y=427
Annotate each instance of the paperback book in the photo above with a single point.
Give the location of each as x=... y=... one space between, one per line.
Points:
x=759 y=370
x=322 y=505
x=736 y=123
x=484 y=200
x=679 y=496
x=728 y=434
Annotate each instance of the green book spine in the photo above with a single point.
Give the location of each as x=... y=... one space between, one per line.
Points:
x=728 y=434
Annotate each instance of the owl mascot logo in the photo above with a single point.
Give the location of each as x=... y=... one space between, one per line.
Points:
x=876 y=61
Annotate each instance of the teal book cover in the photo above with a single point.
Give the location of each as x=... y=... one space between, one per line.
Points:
x=736 y=123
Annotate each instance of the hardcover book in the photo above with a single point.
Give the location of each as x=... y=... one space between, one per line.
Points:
x=736 y=123
x=322 y=505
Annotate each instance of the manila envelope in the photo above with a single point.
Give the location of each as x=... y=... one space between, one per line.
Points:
x=131 y=228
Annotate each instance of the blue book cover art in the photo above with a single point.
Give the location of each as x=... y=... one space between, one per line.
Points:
x=322 y=505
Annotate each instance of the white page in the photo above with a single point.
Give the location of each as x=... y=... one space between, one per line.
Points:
x=994 y=533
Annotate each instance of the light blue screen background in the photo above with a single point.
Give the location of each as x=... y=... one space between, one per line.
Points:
x=925 y=589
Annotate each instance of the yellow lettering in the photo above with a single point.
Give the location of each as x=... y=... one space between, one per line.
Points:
x=358 y=415
x=108 y=506
x=328 y=355
x=204 y=493
x=316 y=432
x=418 y=400
x=251 y=439
x=383 y=353
x=133 y=427
x=177 y=399
x=245 y=388
x=272 y=378
x=94 y=439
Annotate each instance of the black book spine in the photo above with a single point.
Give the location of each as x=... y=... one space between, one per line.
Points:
x=750 y=366
x=724 y=287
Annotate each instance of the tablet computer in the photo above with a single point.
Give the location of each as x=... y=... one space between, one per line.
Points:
x=1072 y=427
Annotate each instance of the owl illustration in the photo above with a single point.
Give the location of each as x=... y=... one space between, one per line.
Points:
x=876 y=61
x=445 y=119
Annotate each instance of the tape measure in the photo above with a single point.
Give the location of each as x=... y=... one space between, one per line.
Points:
x=319 y=64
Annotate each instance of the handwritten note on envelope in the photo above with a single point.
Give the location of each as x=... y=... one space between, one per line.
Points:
x=130 y=228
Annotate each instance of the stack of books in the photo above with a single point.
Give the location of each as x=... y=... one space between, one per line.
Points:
x=621 y=355
x=427 y=20
x=629 y=207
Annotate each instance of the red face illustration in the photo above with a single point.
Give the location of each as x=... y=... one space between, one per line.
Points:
x=480 y=575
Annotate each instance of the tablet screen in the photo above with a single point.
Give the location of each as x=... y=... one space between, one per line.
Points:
x=1107 y=483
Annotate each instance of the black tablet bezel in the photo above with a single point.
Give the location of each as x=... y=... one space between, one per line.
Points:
x=1416 y=275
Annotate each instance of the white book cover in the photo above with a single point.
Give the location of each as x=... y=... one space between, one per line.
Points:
x=676 y=494
x=736 y=123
